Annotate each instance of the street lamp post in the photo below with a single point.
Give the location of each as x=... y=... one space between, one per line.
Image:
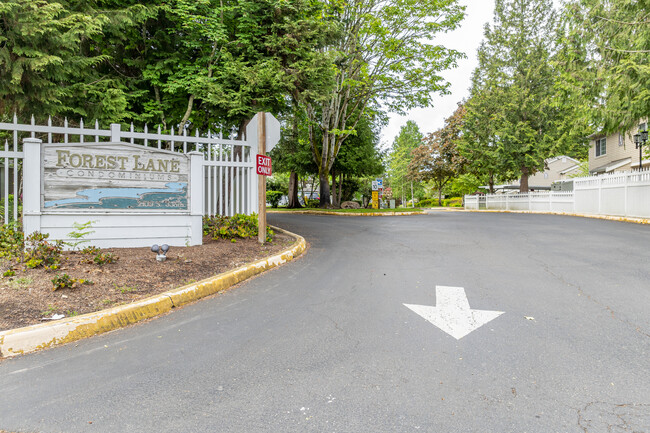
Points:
x=640 y=139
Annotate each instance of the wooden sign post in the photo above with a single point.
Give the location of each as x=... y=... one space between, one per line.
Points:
x=261 y=180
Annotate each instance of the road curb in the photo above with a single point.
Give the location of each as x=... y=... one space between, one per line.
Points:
x=31 y=338
x=369 y=214
x=582 y=215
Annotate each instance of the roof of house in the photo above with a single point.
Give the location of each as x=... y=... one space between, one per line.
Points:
x=613 y=165
x=570 y=169
x=514 y=187
x=550 y=160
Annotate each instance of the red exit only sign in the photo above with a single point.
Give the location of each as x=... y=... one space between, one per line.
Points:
x=264 y=165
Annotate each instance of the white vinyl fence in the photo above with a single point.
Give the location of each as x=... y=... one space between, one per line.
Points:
x=616 y=194
x=230 y=184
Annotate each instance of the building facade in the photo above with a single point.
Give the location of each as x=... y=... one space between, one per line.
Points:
x=616 y=152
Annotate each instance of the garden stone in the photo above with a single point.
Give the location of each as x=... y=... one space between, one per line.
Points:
x=350 y=205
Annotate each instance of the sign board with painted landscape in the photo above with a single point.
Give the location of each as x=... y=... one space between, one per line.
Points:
x=113 y=177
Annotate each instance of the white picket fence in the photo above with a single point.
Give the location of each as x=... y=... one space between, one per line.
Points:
x=230 y=185
x=617 y=194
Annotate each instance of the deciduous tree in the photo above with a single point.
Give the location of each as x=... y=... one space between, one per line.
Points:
x=399 y=157
x=385 y=54
x=438 y=159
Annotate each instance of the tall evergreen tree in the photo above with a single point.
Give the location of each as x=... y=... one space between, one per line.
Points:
x=607 y=46
x=201 y=63
x=46 y=66
x=514 y=83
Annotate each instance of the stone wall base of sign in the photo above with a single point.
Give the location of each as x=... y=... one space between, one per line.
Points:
x=122 y=231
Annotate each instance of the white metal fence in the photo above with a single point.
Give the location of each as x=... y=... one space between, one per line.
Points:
x=617 y=194
x=228 y=166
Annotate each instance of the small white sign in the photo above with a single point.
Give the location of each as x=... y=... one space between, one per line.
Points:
x=273 y=130
x=375 y=185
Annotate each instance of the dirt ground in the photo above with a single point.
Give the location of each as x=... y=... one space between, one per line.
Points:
x=27 y=298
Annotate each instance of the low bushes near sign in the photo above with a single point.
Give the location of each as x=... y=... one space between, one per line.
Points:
x=11 y=241
x=39 y=252
x=64 y=281
x=95 y=255
x=231 y=228
x=104 y=258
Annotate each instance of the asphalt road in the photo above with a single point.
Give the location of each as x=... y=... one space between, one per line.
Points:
x=325 y=344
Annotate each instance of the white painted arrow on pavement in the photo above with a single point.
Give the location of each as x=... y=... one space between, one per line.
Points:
x=452 y=313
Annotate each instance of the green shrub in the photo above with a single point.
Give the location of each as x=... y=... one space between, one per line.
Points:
x=427 y=202
x=90 y=251
x=312 y=203
x=274 y=197
x=11 y=240
x=64 y=281
x=39 y=252
x=104 y=258
x=453 y=202
x=236 y=226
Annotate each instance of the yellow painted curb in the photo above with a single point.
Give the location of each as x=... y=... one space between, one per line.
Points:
x=224 y=280
x=324 y=212
x=31 y=338
x=582 y=215
x=28 y=339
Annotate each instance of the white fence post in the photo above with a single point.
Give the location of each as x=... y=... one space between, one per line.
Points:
x=32 y=187
x=116 y=132
x=627 y=177
x=251 y=140
x=600 y=195
x=196 y=197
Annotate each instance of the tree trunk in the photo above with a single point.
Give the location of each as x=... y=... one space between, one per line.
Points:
x=439 y=196
x=335 y=199
x=340 y=189
x=491 y=184
x=294 y=203
x=324 y=189
x=523 y=184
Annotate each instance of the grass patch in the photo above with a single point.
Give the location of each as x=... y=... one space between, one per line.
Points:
x=125 y=289
x=20 y=282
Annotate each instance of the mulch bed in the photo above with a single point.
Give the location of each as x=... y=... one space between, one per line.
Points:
x=27 y=298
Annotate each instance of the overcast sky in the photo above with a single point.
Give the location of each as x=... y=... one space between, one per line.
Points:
x=465 y=39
